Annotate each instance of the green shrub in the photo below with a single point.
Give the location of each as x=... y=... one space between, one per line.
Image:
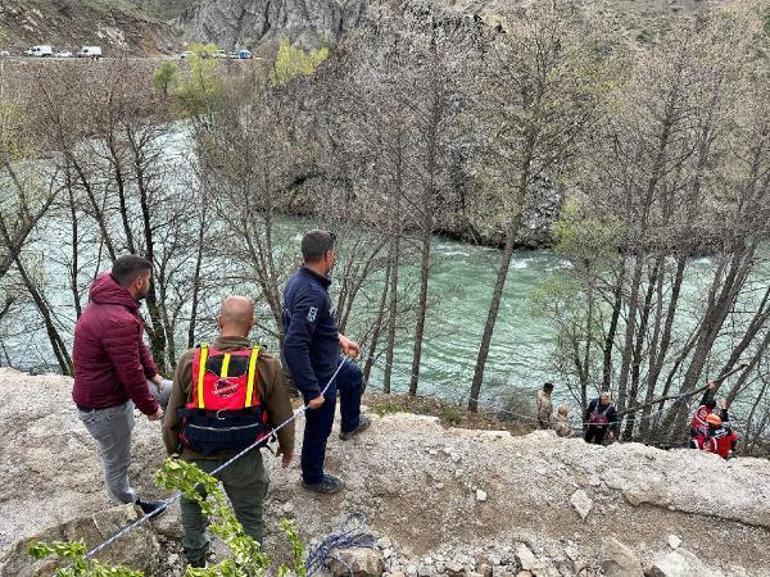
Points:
x=247 y=558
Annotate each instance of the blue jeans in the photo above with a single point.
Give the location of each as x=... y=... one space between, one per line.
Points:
x=318 y=424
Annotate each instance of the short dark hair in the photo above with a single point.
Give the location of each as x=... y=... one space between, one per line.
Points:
x=548 y=387
x=128 y=268
x=711 y=403
x=316 y=243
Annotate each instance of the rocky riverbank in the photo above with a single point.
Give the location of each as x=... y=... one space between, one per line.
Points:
x=441 y=502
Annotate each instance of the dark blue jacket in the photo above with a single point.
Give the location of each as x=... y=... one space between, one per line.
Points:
x=311 y=339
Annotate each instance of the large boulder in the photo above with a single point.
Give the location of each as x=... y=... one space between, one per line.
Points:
x=681 y=563
x=139 y=549
x=618 y=560
x=357 y=562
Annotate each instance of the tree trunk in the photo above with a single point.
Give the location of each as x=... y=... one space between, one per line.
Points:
x=422 y=309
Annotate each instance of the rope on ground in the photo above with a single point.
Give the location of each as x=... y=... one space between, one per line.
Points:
x=352 y=533
x=178 y=495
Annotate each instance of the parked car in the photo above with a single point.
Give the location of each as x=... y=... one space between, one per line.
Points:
x=4 y=53
x=186 y=54
x=244 y=55
x=63 y=54
x=221 y=54
x=41 y=51
x=94 y=52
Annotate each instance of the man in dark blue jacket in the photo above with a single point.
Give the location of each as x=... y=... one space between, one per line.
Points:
x=311 y=349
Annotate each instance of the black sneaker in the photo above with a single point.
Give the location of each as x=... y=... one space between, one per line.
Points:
x=363 y=424
x=328 y=485
x=152 y=508
x=201 y=564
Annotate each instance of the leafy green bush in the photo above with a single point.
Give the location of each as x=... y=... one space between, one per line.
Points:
x=247 y=559
x=293 y=61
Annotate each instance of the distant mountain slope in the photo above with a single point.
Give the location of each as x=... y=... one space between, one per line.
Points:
x=116 y=25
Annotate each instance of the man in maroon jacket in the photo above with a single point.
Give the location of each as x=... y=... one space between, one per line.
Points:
x=112 y=369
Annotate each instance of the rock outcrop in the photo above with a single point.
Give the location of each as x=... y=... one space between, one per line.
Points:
x=418 y=485
x=246 y=23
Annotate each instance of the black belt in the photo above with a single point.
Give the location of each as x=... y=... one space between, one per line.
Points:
x=91 y=410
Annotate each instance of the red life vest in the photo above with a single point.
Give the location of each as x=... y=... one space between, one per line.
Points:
x=599 y=417
x=698 y=422
x=224 y=412
x=719 y=442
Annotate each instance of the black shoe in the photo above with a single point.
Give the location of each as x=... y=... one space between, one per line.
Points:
x=201 y=564
x=152 y=508
x=328 y=485
x=363 y=424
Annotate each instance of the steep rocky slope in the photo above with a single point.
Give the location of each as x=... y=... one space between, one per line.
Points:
x=445 y=502
x=246 y=23
x=118 y=26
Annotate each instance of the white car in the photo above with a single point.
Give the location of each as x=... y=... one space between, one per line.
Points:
x=42 y=51
x=4 y=53
x=185 y=54
x=63 y=54
x=94 y=52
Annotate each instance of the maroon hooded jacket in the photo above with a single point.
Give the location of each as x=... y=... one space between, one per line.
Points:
x=111 y=360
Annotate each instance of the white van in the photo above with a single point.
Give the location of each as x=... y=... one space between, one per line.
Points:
x=42 y=51
x=94 y=52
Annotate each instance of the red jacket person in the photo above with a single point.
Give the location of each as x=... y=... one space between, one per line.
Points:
x=112 y=367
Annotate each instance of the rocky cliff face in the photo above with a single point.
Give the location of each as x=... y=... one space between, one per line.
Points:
x=246 y=23
x=119 y=28
x=443 y=502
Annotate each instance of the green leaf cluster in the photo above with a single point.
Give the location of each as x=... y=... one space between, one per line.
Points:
x=201 y=91
x=247 y=558
x=293 y=61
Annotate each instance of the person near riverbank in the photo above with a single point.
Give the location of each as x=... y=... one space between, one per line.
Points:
x=311 y=349
x=698 y=425
x=719 y=438
x=112 y=368
x=544 y=406
x=226 y=397
x=602 y=419
x=560 y=422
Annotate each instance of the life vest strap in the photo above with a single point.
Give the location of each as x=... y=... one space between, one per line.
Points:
x=252 y=374
x=204 y=357
x=222 y=414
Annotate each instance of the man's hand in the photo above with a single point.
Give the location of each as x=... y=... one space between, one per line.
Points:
x=287 y=457
x=158 y=380
x=317 y=402
x=722 y=404
x=157 y=415
x=349 y=348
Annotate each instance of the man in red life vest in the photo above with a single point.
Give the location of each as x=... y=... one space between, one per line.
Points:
x=226 y=397
x=698 y=425
x=719 y=439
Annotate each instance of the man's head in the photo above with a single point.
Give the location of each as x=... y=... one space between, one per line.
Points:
x=548 y=388
x=711 y=404
x=563 y=410
x=133 y=273
x=236 y=316
x=604 y=398
x=319 y=250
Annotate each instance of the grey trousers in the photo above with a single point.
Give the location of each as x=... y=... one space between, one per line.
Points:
x=111 y=429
